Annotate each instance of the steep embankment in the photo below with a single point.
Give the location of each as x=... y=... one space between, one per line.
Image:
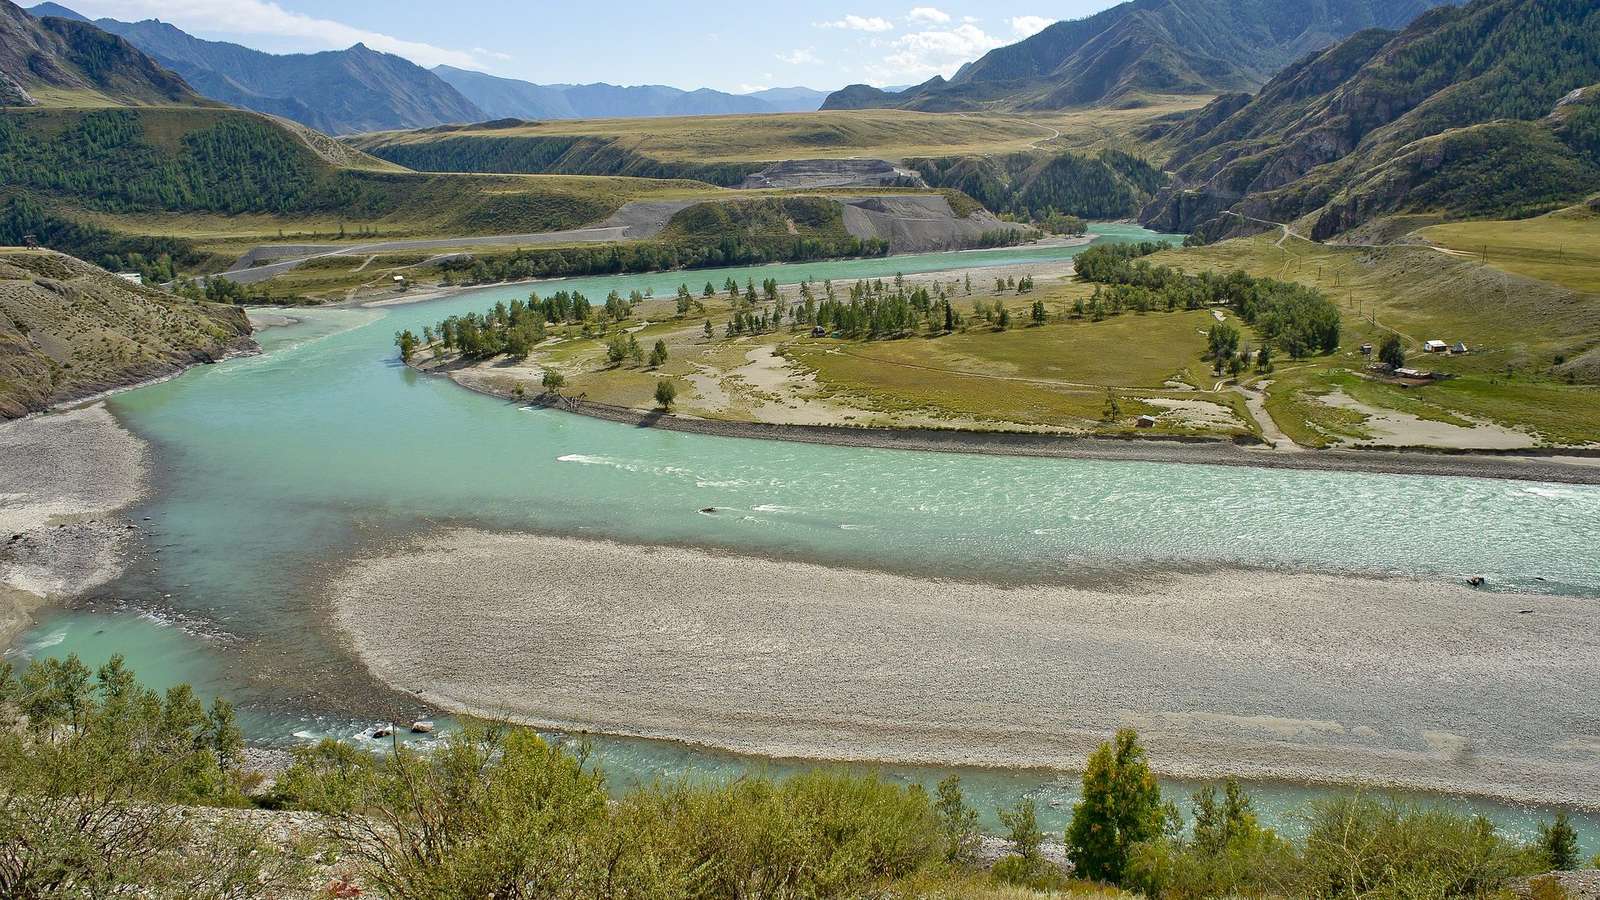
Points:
x=70 y=330
x=1471 y=111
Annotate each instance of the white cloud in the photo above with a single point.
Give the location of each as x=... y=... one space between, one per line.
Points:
x=263 y=17
x=920 y=55
x=859 y=23
x=803 y=56
x=751 y=88
x=929 y=15
x=1028 y=26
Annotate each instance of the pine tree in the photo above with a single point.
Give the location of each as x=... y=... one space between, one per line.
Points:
x=1121 y=807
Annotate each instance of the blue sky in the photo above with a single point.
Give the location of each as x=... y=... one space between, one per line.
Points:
x=733 y=46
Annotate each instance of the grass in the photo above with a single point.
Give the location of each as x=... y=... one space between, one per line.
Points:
x=1561 y=247
x=1517 y=332
x=889 y=134
x=1052 y=375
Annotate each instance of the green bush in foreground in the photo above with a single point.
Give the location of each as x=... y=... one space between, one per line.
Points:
x=500 y=813
x=94 y=770
x=101 y=782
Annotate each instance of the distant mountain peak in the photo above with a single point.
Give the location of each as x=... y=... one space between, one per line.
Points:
x=56 y=10
x=335 y=91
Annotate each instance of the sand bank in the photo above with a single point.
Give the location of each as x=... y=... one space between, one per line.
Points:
x=65 y=477
x=1267 y=675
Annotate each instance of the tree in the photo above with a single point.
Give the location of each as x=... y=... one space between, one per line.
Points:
x=1113 y=409
x=1022 y=829
x=666 y=394
x=1264 y=359
x=958 y=822
x=708 y=328
x=1121 y=807
x=950 y=316
x=1039 y=312
x=1559 y=841
x=658 y=354
x=553 y=381
x=1393 y=352
x=407 y=342
x=1222 y=343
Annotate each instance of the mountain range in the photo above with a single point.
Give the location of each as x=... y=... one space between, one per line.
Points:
x=1490 y=109
x=1144 y=47
x=510 y=98
x=359 y=89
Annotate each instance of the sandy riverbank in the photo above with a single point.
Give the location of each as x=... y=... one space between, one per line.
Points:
x=1268 y=675
x=66 y=476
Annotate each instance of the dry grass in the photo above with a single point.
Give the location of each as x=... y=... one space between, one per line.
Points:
x=890 y=134
x=1561 y=248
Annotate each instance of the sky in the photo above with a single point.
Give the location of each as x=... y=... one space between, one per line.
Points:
x=730 y=45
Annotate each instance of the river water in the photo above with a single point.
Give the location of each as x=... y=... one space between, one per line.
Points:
x=275 y=468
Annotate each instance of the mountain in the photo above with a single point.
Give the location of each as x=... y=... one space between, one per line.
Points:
x=60 y=60
x=1145 y=46
x=1491 y=109
x=510 y=98
x=792 y=99
x=337 y=92
x=57 y=10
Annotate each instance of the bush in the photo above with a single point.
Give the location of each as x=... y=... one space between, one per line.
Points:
x=93 y=771
x=1358 y=846
x=498 y=812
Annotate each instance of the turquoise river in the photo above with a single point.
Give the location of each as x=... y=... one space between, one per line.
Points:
x=273 y=469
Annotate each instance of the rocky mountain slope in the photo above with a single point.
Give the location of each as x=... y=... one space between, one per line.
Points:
x=337 y=92
x=1145 y=46
x=69 y=330
x=64 y=61
x=1480 y=110
x=516 y=99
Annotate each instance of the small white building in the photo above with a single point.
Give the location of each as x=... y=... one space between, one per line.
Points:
x=1145 y=422
x=133 y=277
x=1434 y=346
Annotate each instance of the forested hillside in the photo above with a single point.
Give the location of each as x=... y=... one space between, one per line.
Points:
x=1479 y=110
x=1145 y=47
x=552 y=155
x=1110 y=185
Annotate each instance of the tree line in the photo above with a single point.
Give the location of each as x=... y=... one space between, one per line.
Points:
x=96 y=773
x=1299 y=320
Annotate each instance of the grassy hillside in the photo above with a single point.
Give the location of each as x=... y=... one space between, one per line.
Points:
x=201 y=184
x=1562 y=247
x=1526 y=337
x=722 y=149
x=69 y=329
x=1473 y=111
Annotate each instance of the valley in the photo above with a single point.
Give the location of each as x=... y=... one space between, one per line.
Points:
x=503 y=485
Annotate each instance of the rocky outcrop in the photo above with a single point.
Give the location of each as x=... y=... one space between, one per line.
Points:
x=70 y=330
